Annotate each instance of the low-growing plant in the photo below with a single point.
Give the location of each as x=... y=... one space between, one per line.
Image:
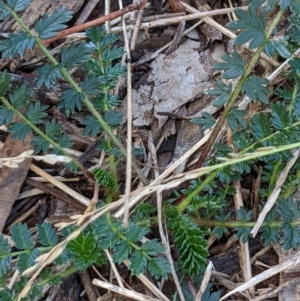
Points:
x=261 y=141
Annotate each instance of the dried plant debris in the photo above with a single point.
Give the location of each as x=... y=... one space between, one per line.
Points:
x=174 y=81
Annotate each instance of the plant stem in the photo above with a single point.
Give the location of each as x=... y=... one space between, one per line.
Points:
x=190 y=197
x=44 y=136
x=235 y=93
x=86 y=100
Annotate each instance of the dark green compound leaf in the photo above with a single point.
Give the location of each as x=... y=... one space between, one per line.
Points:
x=5 y=257
x=65 y=141
x=17 y=43
x=40 y=144
x=253 y=24
x=103 y=101
x=159 y=267
x=280 y=116
x=114 y=53
x=36 y=113
x=113 y=118
x=270 y=5
x=221 y=230
x=110 y=78
x=255 y=88
x=277 y=46
x=191 y=245
x=75 y=54
x=5 y=85
x=85 y=251
x=49 y=26
x=236 y=117
x=6 y=115
x=138 y=262
x=242 y=139
x=295 y=67
x=4 y=11
x=152 y=247
x=27 y=260
x=122 y=251
x=134 y=232
x=96 y=34
x=48 y=75
x=91 y=84
x=269 y=231
x=47 y=235
x=294 y=7
x=22 y=237
x=53 y=129
x=206 y=121
x=227 y=175
x=70 y=101
x=19 y=130
x=7 y=295
x=282 y=50
x=19 y=97
x=234 y=65
x=18 y=5
x=92 y=126
x=223 y=91
x=104 y=178
x=107 y=40
x=243 y=232
x=261 y=126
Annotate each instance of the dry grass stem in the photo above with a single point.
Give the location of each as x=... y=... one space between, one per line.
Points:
x=264 y=275
x=82 y=199
x=205 y=281
x=123 y=291
x=114 y=268
x=275 y=193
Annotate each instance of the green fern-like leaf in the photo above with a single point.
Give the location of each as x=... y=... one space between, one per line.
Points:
x=191 y=245
x=159 y=267
x=22 y=237
x=19 y=130
x=5 y=257
x=255 y=88
x=92 y=126
x=17 y=43
x=280 y=116
x=75 y=54
x=6 y=115
x=18 y=5
x=261 y=126
x=48 y=26
x=138 y=262
x=47 y=235
x=243 y=232
x=36 y=113
x=105 y=179
x=253 y=24
x=47 y=75
x=85 y=251
x=70 y=101
x=27 y=260
x=19 y=97
x=234 y=66
x=4 y=83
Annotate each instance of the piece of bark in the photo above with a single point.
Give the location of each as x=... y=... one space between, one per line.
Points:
x=11 y=179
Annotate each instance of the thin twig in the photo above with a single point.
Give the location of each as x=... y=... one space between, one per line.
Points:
x=140 y=5
x=129 y=126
